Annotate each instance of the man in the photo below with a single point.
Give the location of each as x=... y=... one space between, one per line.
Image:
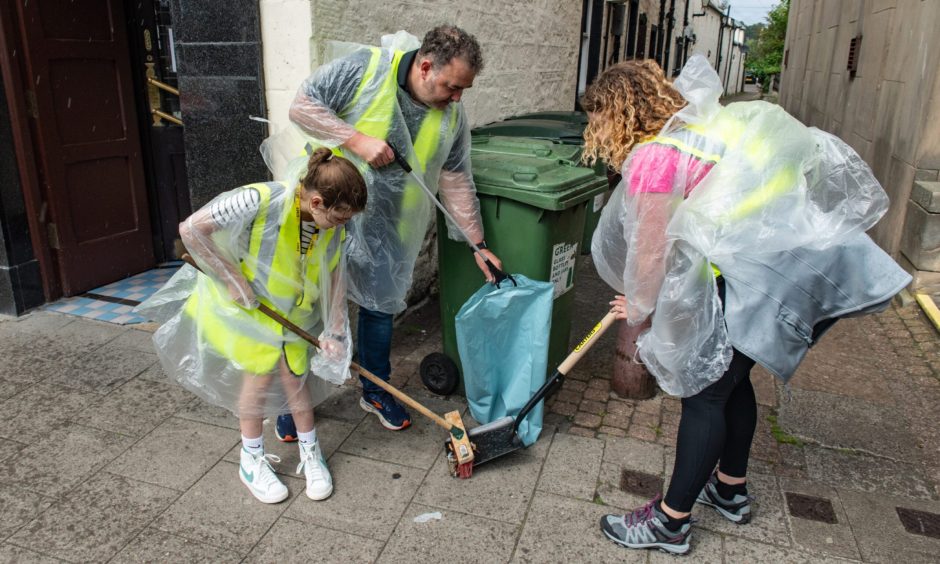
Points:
x=359 y=105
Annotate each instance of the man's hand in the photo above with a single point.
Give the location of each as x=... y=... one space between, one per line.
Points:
x=482 y=265
x=374 y=151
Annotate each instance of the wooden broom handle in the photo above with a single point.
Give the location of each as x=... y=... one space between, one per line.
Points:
x=399 y=395
x=586 y=343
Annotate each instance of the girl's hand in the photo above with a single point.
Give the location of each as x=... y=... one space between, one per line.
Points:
x=333 y=349
x=241 y=293
x=619 y=306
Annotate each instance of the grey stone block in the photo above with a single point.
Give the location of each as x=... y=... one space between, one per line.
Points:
x=741 y=550
x=40 y=406
x=61 y=460
x=920 y=240
x=368 y=497
x=859 y=471
x=176 y=454
x=417 y=446
x=11 y=553
x=878 y=529
x=19 y=507
x=152 y=545
x=485 y=540
x=135 y=408
x=220 y=511
x=706 y=548
x=560 y=529
x=634 y=454
x=498 y=490
x=769 y=521
x=9 y=389
x=342 y=405
x=609 y=492
x=572 y=467
x=30 y=358
x=96 y=520
x=9 y=448
x=293 y=541
x=135 y=340
x=203 y=412
x=813 y=536
x=330 y=433
x=103 y=369
x=821 y=417
x=927 y=194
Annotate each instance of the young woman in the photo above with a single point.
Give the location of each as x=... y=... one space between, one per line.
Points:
x=740 y=234
x=280 y=245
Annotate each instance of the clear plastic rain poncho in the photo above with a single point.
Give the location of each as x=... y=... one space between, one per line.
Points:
x=385 y=240
x=215 y=342
x=763 y=183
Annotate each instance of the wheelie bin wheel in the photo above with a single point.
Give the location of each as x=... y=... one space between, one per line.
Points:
x=439 y=373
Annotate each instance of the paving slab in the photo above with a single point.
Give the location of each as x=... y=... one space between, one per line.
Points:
x=821 y=417
x=41 y=406
x=835 y=539
x=11 y=553
x=572 y=467
x=706 y=547
x=19 y=507
x=152 y=545
x=499 y=490
x=9 y=448
x=859 y=471
x=62 y=460
x=294 y=541
x=9 y=388
x=103 y=369
x=176 y=454
x=135 y=408
x=88 y=334
x=40 y=321
x=343 y=405
x=28 y=358
x=769 y=521
x=609 y=492
x=454 y=537
x=96 y=520
x=156 y=374
x=220 y=511
x=134 y=339
x=635 y=454
x=743 y=550
x=881 y=535
x=561 y=529
x=330 y=433
x=203 y=412
x=368 y=497
x=418 y=445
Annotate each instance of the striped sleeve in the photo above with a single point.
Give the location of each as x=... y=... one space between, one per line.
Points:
x=239 y=207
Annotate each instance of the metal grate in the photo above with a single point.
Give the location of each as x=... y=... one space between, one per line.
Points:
x=855 y=46
x=919 y=522
x=811 y=507
x=640 y=483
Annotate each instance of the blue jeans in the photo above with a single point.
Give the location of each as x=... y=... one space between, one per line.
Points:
x=374 y=334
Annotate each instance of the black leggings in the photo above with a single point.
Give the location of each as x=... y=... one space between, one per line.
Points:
x=717 y=424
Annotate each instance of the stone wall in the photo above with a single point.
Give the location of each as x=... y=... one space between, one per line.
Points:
x=888 y=111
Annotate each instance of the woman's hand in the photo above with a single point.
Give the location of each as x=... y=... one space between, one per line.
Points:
x=619 y=306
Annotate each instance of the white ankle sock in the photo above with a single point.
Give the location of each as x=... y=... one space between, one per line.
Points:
x=253 y=446
x=307 y=438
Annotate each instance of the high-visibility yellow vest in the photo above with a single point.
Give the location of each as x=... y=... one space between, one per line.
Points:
x=376 y=121
x=710 y=142
x=281 y=278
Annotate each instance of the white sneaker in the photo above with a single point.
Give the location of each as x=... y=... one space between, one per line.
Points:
x=256 y=473
x=319 y=481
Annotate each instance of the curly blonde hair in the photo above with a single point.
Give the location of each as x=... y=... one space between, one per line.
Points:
x=628 y=102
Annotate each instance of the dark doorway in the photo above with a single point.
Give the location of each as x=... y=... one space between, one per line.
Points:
x=80 y=98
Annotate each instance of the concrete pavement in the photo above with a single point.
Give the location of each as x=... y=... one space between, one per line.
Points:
x=106 y=460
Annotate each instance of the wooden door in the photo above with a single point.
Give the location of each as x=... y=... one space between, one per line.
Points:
x=81 y=99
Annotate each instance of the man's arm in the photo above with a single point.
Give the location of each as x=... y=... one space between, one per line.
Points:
x=324 y=95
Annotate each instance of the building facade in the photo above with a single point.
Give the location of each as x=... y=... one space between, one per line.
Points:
x=867 y=71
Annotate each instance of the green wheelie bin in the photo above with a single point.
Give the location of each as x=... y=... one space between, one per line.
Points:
x=533 y=203
x=566 y=128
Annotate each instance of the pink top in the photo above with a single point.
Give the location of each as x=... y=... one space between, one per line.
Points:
x=653 y=169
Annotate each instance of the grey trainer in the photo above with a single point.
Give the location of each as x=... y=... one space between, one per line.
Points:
x=645 y=528
x=737 y=510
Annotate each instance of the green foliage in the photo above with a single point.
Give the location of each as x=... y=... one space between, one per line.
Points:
x=780 y=435
x=765 y=52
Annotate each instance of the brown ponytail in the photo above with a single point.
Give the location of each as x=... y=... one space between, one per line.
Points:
x=336 y=179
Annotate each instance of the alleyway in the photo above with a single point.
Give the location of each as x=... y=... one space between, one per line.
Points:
x=106 y=460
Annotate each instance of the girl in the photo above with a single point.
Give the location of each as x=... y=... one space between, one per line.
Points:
x=280 y=245
x=740 y=234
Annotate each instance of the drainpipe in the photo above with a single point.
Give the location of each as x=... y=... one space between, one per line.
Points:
x=659 y=40
x=671 y=26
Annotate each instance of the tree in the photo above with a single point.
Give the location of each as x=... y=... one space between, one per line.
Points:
x=765 y=54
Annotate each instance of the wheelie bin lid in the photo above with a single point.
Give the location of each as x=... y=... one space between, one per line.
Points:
x=578 y=118
x=525 y=146
x=541 y=182
x=568 y=133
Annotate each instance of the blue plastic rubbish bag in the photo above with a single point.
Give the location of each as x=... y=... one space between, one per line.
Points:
x=502 y=337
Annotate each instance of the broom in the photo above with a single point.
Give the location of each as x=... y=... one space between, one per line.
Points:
x=459 y=443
